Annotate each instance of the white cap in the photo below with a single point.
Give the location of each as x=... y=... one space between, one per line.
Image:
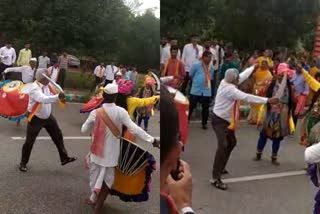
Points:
x=118 y=73
x=33 y=60
x=111 y=88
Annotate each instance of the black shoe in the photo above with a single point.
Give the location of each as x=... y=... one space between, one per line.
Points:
x=258 y=157
x=204 y=127
x=274 y=161
x=224 y=172
x=23 y=168
x=219 y=185
x=68 y=160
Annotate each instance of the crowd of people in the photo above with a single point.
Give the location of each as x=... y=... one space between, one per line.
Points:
x=281 y=87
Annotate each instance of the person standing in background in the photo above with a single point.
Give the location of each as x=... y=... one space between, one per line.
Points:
x=191 y=53
x=100 y=73
x=166 y=52
x=63 y=66
x=8 y=56
x=25 y=55
x=110 y=72
x=201 y=74
x=43 y=60
x=54 y=70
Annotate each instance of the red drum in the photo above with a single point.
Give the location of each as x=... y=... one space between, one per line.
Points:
x=182 y=105
x=14 y=103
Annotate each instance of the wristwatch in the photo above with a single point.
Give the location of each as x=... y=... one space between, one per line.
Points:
x=187 y=210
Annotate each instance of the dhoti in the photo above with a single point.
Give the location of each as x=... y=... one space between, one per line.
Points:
x=99 y=174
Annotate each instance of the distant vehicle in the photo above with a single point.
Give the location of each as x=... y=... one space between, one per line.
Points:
x=74 y=61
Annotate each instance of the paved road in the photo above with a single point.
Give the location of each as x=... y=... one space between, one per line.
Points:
x=292 y=194
x=49 y=188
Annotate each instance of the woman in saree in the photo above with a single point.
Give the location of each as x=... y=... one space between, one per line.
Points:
x=262 y=79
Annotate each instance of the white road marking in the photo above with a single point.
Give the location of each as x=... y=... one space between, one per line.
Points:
x=49 y=138
x=262 y=177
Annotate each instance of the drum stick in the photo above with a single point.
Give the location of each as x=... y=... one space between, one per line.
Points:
x=54 y=84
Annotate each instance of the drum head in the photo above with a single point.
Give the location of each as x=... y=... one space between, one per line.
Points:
x=12 y=86
x=132 y=158
x=26 y=88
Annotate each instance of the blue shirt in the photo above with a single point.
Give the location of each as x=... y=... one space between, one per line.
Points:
x=198 y=79
x=299 y=84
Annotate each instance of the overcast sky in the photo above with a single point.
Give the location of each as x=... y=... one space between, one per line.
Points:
x=151 y=4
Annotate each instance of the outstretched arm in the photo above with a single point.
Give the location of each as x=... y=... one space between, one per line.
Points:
x=134 y=129
x=244 y=75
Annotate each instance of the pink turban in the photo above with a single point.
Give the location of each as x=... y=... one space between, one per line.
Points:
x=125 y=86
x=284 y=68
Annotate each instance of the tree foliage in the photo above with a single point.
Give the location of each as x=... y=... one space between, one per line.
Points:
x=247 y=24
x=103 y=29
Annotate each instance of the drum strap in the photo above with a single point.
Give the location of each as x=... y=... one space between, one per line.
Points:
x=108 y=122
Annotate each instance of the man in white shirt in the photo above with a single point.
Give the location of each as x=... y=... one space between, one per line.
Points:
x=226 y=102
x=163 y=43
x=104 y=153
x=110 y=72
x=166 y=52
x=8 y=57
x=191 y=53
x=100 y=73
x=27 y=71
x=219 y=52
x=44 y=60
x=40 y=99
x=54 y=70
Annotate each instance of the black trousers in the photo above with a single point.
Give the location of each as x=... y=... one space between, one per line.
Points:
x=62 y=77
x=205 y=101
x=33 y=129
x=98 y=80
x=226 y=142
x=185 y=84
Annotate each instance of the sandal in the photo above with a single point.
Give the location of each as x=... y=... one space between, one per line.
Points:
x=219 y=185
x=68 y=160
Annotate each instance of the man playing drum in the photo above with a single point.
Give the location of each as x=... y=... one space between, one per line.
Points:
x=105 y=149
x=27 y=71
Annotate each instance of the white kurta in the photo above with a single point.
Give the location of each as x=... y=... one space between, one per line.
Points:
x=111 y=149
x=27 y=73
x=54 y=72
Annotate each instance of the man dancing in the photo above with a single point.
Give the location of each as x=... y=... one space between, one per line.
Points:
x=105 y=149
x=224 y=117
x=40 y=116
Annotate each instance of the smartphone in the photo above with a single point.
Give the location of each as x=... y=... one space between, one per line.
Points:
x=175 y=173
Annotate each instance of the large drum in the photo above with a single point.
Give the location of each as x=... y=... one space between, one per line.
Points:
x=133 y=173
x=14 y=103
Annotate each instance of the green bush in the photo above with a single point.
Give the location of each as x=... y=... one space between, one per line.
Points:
x=79 y=81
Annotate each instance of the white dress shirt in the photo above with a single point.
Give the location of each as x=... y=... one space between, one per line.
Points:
x=312 y=154
x=8 y=55
x=41 y=93
x=54 y=72
x=166 y=54
x=110 y=71
x=111 y=149
x=189 y=55
x=214 y=58
x=26 y=71
x=216 y=48
x=96 y=71
x=44 y=61
x=228 y=93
